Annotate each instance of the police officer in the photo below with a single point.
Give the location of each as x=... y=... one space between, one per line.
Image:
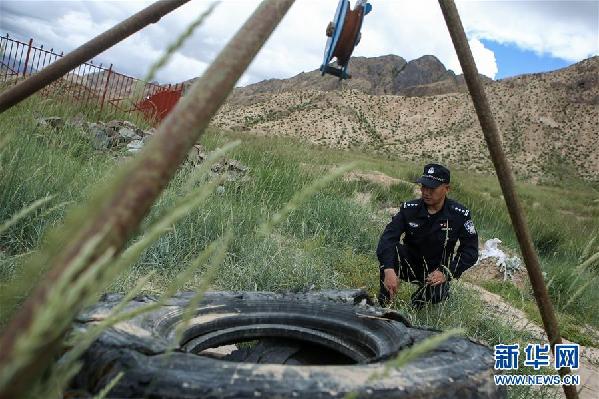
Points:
x=430 y=227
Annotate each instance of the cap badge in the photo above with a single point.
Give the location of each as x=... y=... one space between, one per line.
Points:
x=431 y=170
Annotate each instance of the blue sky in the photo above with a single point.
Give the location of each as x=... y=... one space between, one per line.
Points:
x=512 y=60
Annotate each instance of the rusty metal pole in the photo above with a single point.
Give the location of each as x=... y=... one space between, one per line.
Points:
x=105 y=88
x=27 y=57
x=87 y=51
x=505 y=176
x=137 y=186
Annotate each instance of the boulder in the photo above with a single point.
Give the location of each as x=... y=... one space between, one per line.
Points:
x=114 y=125
x=126 y=135
x=101 y=140
x=54 y=122
x=77 y=121
x=196 y=155
x=146 y=138
x=135 y=145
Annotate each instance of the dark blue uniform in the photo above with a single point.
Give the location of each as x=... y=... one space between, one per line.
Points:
x=428 y=244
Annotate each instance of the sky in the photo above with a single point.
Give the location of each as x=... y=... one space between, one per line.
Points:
x=507 y=38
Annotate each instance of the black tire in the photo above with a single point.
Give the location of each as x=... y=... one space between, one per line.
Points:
x=339 y=323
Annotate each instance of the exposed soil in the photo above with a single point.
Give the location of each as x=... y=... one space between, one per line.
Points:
x=589 y=364
x=487 y=270
x=373 y=177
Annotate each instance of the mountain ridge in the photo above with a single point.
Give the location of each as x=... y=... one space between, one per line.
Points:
x=548 y=121
x=387 y=74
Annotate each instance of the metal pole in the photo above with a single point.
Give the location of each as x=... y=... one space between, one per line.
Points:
x=27 y=57
x=105 y=88
x=138 y=185
x=87 y=51
x=505 y=176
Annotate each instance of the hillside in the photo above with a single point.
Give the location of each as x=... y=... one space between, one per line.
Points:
x=548 y=120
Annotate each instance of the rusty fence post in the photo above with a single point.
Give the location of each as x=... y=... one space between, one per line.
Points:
x=105 y=88
x=87 y=51
x=27 y=56
x=505 y=177
x=135 y=189
x=3 y=51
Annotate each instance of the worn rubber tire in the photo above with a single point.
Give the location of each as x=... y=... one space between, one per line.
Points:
x=339 y=320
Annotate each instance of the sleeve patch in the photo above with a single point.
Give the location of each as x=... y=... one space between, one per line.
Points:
x=469 y=226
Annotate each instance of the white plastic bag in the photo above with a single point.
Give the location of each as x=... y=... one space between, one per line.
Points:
x=507 y=265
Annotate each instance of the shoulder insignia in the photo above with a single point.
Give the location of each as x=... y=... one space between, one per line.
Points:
x=461 y=210
x=410 y=204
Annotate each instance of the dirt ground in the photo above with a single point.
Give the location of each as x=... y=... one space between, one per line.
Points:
x=589 y=362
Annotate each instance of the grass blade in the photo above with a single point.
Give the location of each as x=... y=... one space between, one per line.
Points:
x=301 y=196
x=415 y=351
x=220 y=250
x=102 y=394
x=24 y=212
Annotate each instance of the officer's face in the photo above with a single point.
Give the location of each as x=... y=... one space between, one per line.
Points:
x=434 y=196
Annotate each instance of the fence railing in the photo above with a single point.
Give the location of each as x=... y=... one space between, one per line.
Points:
x=89 y=84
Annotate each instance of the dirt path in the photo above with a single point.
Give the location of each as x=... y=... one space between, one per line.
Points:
x=589 y=362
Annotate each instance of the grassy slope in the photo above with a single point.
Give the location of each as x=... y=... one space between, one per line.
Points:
x=328 y=242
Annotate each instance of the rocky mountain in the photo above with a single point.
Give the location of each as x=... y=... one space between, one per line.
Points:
x=119 y=85
x=549 y=121
x=388 y=74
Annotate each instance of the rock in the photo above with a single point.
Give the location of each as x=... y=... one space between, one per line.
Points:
x=77 y=121
x=114 y=124
x=193 y=156
x=228 y=165
x=114 y=134
x=234 y=165
x=548 y=121
x=233 y=170
x=146 y=138
x=135 y=145
x=127 y=135
x=218 y=168
x=100 y=138
x=129 y=125
x=196 y=155
x=54 y=122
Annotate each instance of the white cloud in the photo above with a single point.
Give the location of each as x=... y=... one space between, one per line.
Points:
x=483 y=57
x=564 y=29
x=568 y=30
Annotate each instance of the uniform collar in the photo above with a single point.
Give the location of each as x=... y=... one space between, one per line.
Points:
x=423 y=212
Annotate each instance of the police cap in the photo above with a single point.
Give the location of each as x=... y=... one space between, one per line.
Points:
x=434 y=175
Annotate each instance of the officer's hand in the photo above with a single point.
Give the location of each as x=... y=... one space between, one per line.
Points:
x=436 y=278
x=390 y=282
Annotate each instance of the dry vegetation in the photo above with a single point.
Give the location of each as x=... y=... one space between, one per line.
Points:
x=548 y=122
